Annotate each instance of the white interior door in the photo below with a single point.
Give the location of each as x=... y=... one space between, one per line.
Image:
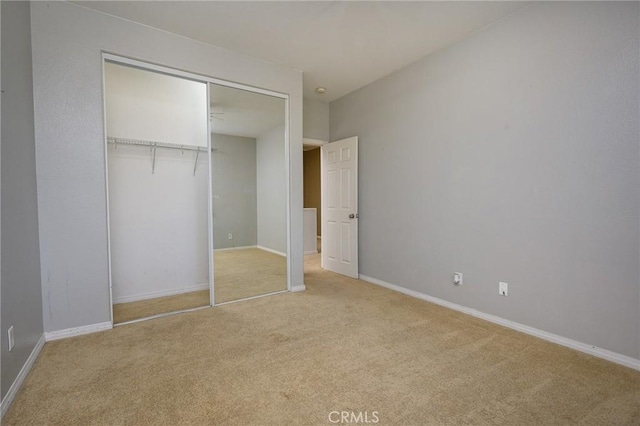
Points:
x=340 y=207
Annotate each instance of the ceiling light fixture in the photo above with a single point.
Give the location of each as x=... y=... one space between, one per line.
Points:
x=320 y=90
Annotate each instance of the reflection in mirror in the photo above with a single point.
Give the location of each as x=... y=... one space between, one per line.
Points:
x=249 y=193
x=158 y=192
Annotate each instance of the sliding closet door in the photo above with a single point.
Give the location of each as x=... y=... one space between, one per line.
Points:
x=248 y=139
x=158 y=176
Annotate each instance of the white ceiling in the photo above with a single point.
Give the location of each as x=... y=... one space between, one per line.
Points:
x=241 y=113
x=339 y=45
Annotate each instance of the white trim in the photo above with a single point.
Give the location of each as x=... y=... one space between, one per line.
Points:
x=111 y=57
x=210 y=244
x=615 y=357
x=165 y=314
x=288 y=187
x=274 y=252
x=77 y=331
x=161 y=293
x=308 y=252
x=106 y=185
x=313 y=142
x=253 y=297
x=22 y=375
x=236 y=248
x=322 y=208
x=298 y=288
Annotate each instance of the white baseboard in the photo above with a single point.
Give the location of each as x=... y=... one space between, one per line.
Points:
x=311 y=252
x=236 y=248
x=297 y=288
x=272 y=251
x=77 y=331
x=162 y=293
x=618 y=358
x=259 y=296
x=22 y=375
x=166 y=314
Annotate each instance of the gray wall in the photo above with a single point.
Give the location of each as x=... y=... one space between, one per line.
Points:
x=315 y=120
x=271 y=190
x=234 y=191
x=67 y=44
x=21 y=287
x=512 y=156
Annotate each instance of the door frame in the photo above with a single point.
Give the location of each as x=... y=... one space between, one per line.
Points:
x=148 y=66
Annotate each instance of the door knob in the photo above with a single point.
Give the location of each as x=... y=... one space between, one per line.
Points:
x=351 y=216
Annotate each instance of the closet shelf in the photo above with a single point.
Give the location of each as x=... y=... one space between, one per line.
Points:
x=153 y=145
x=140 y=142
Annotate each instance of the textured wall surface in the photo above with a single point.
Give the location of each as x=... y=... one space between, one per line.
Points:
x=21 y=287
x=512 y=156
x=67 y=68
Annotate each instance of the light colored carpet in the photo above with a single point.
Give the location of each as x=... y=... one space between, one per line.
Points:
x=248 y=272
x=341 y=345
x=238 y=274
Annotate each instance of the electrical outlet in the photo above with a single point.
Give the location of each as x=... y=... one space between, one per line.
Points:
x=11 y=339
x=503 y=288
x=230 y=236
x=457 y=278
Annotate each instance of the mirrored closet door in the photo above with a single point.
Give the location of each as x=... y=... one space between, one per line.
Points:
x=249 y=184
x=158 y=187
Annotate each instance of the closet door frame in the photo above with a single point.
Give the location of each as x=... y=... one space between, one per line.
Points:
x=147 y=66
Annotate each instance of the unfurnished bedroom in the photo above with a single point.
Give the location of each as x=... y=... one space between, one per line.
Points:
x=320 y=212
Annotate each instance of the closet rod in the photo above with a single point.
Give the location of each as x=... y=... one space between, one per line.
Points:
x=152 y=144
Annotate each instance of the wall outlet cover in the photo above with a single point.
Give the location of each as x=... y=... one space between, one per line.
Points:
x=503 y=288
x=457 y=278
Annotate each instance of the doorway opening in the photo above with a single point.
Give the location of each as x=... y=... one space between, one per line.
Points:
x=312 y=201
x=331 y=206
x=312 y=198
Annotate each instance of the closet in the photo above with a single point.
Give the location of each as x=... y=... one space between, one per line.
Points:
x=158 y=189
x=198 y=194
